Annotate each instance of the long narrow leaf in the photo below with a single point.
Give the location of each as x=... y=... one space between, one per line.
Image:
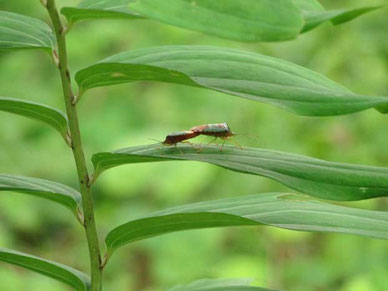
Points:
x=242 y=20
x=99 y=9
x=275 y=209
x=46 y=189
x=309 y=5
x=71 y=277
x=219 y=285
x=23 y=32
x=244 y=74
x=213 y=283
x=314 y=14
x=36 y=111
x=327 y=180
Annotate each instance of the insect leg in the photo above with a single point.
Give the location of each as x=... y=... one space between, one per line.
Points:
x=207 y=144
x=192 y=145
x=222 y=144
x=175 y=145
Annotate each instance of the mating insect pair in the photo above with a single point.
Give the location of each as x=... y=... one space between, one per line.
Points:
x=217 y=130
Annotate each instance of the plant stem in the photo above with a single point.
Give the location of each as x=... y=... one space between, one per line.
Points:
x=76 y=144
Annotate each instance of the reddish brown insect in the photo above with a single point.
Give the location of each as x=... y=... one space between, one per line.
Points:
x=217 y=130
x=180 y=136
x=174 y=138
x=221 y=130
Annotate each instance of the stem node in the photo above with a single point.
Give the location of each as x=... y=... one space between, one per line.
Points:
x=74 y=100
x=104 y=261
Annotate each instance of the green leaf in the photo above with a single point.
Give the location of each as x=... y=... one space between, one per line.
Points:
x=282 y=210
x=314 y=14
x=36 y=111
x=219 y=285
x=239 y=73
x=241 y=20
x=308 y=5
x=96 y=9
x=46 y=189
x=65 y=274
x=244 y=20
x=327 y=180
x=348 y=15
x=23 y=32
x=212 y=283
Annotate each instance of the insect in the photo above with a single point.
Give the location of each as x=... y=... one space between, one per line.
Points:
x=180 y=136
x=217 y=130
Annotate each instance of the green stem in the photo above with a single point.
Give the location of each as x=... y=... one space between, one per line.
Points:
x=83 y=176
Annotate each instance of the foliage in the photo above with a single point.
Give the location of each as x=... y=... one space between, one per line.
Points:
x=249 y=75
x=67 y=275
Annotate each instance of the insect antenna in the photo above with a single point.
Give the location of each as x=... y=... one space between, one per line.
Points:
x=251 y=136
x=237 y=144
x=155 y=140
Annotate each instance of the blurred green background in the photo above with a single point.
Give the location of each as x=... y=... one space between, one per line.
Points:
x=354 y=55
